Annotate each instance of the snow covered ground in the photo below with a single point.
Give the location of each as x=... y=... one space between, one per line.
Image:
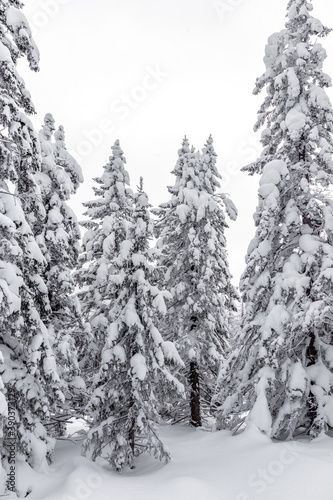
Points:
x=205 y=465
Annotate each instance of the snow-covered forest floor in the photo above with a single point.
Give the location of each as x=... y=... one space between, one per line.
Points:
x=204 y=465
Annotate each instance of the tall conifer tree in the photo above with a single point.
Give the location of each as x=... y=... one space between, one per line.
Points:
x=193 y=260
x=109 y=214
x=29 y=372
x=133 y=377
x=281 y=374
x=58 y=238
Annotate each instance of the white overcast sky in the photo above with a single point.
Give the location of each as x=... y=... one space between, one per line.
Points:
x=147 y=72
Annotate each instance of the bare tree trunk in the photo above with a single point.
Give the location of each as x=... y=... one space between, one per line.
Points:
x=195 y=394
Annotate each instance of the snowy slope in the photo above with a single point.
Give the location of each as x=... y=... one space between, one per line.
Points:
x=204 y=465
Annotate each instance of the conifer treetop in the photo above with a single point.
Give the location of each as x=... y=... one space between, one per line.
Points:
x=296 y=111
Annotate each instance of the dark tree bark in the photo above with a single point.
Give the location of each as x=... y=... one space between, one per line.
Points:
x=195 y=395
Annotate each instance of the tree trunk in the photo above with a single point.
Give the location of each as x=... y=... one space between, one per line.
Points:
x=195 y=395
x=131 y=432
x=312 y=356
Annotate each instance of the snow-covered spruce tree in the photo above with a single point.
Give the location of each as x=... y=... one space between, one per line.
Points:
x=280 y=376
x=109 y=214
x=28 y=371
x=58 y=238
x=133 y=376
x=193 y=260
x=74 y=175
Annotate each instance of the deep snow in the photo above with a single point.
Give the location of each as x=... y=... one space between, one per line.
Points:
x=205 y=465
